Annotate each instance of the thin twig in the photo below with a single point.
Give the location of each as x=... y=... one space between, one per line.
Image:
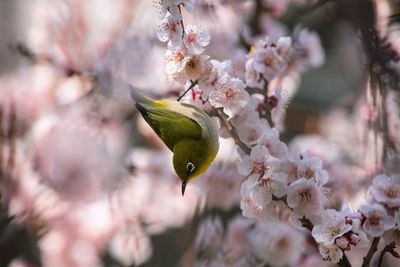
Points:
x=388 y=248
x=182 y=24
x=266 y=112
x=371 y=252
x=233 y=132
x=192 y=85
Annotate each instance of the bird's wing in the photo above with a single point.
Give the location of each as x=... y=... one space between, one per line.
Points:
x=169 y=125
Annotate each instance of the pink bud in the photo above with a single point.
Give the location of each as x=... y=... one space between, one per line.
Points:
x=354 y=239
x=342 y=242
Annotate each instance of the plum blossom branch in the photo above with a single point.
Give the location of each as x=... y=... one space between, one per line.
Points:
x=225 y=121
x=389 y=248
x=344 y=261
x=371 y=252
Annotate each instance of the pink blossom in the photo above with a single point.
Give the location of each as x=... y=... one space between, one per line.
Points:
x=170 y=30
x=377 y=220
x=195 y=39
x=277 y=243
x=386 y=190
x=305 y=198
x=231 y=96
x=131 y=245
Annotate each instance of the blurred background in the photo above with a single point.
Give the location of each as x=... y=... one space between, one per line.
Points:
x=84 y=180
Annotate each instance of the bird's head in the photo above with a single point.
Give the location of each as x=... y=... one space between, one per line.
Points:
x=192 y=158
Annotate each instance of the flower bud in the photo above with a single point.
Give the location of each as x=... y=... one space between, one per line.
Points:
x=342 y=242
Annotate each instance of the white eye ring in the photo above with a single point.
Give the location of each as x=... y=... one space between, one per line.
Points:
x=190 y=167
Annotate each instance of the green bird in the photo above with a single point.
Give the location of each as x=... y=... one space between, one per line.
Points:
x=185 y=129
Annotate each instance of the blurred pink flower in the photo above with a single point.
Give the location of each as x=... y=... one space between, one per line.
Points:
x=63 y=248
x=31 y=90
x=308 y=49
x=131 y=245
x=209 y=238
x=222 y=187
x=50 y=31
x=74 y=158
x=277 y=243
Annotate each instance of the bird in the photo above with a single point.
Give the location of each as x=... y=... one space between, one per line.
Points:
x=186 y=130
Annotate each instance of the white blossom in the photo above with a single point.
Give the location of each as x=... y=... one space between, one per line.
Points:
x=277 y=243
x=176 y=60
x=331 y=253
x=213 y=76
x=170 y=30
x=377 y=220
x=272 y=183
x=209 y=236
x=332 y=226
x=171 y=6
x=195 y=39
x=305 y=198
x=308 y=47
x=311 y=168
x=284 y=47
x=232 y=97
x=253 y=77
x=256 y=164
x=131 y=245
x=386 y=190
x=251 y=209
x=270 y=139
x=277 y=102
x=353 y=217
x=268 y=63
x=168 y=6
x=249 y=126
x=194 y=66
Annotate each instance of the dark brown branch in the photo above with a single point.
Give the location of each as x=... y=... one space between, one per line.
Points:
x=192 y=85
x=390 y=248
x=371 y=252
x=344 y=261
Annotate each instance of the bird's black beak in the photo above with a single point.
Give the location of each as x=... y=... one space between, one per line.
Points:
x=184 y=183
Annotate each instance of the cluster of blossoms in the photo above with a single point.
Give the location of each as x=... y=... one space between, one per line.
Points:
x=186 y=62
x=69 y=171
x=339 y=231
x=267 y=61
x=247 y=243
x=279 y=183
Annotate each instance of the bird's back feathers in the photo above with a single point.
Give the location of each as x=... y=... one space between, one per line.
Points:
x=169 y=125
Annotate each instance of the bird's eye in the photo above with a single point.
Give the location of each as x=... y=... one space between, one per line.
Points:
x=190 y=167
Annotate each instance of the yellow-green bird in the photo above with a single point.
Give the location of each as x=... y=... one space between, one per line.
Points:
x=186 y=130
